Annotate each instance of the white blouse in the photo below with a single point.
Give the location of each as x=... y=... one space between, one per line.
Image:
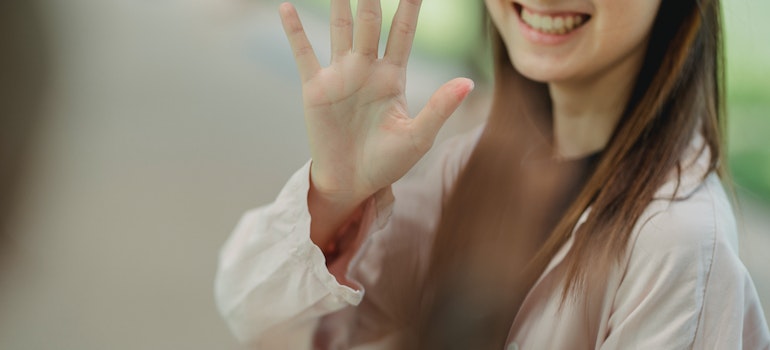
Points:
x=681 y=284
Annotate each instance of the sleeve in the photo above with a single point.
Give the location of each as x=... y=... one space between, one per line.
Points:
x=273 y=280
x=270 y=272
x=684 y=286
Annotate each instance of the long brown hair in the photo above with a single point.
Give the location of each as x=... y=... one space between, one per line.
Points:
x=480 y=244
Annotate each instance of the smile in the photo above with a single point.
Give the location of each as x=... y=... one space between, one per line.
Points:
x=552 y=24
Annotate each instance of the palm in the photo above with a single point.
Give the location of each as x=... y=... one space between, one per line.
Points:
x=361 y=136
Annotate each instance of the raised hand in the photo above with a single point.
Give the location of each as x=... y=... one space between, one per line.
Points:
x=361 y=136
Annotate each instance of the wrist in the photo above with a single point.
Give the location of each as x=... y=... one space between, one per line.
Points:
x=336 y=191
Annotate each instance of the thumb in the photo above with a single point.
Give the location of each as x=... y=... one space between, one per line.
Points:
x=440 y=106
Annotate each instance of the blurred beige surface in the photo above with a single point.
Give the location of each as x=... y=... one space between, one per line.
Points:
x=168 y=119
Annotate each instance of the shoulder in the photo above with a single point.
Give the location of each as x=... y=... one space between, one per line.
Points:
x=690 y=211
x=687 y=229
x=683 y=284
x=685 y=257
x=671 y=252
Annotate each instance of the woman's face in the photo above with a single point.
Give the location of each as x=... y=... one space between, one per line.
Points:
x=572 y=40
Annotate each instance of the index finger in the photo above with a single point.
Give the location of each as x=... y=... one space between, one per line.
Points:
x=402 y=32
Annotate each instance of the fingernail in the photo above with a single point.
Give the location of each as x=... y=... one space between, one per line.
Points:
x=465 y=89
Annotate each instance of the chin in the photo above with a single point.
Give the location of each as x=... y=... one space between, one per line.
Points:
x=540 y=71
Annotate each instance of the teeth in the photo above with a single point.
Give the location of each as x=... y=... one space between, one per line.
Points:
x=551 y=24
x=558 y=25
x=536 y=19
x=569 y=23
x=547 y=23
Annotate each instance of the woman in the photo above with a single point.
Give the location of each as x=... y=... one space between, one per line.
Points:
x=586 y=213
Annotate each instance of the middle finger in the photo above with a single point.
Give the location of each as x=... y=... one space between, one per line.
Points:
x=366 y=39
x=341 y=28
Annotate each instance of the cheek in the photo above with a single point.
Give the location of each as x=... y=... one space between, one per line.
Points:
x=624 y=29
x=626 y=23
x=494 y=11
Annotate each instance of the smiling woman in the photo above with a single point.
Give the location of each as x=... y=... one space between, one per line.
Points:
x=587 y=213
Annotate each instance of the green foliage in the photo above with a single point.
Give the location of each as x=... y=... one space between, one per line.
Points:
x=748 y=93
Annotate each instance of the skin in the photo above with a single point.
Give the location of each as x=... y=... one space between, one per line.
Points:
x=361 y=137
x=590 y=75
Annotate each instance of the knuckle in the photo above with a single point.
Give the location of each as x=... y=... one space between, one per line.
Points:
x=438 y=107
x=404 y=28
x=342 y=23
x=296 y=29
x=421 y=143
x=369 y=15
x=366 y=51
x=303 y=51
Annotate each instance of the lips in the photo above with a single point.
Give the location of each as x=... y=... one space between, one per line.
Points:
x=552 y=23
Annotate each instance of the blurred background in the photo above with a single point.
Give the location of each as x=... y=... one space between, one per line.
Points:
x=167 y=119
